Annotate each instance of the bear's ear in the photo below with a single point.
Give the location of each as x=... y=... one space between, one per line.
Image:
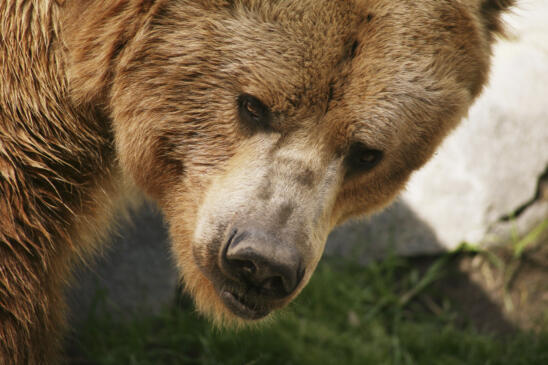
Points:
x=491 y=11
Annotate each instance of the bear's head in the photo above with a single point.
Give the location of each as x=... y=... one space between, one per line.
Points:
x=259 y=125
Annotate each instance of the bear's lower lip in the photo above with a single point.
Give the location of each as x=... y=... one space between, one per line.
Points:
x=240 y=309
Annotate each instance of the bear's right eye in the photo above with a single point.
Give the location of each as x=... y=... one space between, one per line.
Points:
x=253 y=112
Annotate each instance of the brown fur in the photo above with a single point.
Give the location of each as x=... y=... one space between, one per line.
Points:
x=92 y=91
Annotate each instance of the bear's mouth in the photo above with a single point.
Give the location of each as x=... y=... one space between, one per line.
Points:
x=241 y=307
x=245 y=303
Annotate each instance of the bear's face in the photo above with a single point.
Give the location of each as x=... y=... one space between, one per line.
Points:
x=259 y=126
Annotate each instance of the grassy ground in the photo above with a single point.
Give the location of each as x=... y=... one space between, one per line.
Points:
x=398 y=311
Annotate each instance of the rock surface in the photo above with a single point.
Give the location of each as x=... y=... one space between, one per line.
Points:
x=135 y=273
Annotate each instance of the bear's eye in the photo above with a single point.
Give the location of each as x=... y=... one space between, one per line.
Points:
x=362 y=158
x=253 y=112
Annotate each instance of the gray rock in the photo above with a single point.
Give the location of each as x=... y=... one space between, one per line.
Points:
x=135 y=273
x=395 y=230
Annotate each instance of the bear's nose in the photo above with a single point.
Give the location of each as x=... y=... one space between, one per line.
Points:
x=258 y=260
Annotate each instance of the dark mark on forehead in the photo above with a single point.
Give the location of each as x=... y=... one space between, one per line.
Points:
x=306 y=177
x=285 y=212
x=265 y=190
x=298 y=169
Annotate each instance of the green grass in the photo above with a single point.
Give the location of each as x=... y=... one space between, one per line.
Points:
x=348 y=314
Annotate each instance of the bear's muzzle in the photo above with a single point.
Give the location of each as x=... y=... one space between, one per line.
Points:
x=261 y=268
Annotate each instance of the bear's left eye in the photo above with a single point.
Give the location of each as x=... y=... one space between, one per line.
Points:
x=362 y=158
x=253 y=112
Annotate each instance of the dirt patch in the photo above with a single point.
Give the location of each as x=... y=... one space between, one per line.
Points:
x=497 y=291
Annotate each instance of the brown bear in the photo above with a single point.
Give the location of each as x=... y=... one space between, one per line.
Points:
x=256 y=125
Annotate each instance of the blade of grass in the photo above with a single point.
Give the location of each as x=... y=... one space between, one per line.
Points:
x=529 y=238
x=433 y=273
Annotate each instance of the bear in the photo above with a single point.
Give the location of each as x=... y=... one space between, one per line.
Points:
x=257 y=126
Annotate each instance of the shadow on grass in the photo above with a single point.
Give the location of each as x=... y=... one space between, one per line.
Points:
x=385 y=313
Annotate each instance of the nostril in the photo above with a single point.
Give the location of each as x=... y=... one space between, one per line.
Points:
x=244 y=266
x=231 y=237
x=273 y=285
x=236 y=238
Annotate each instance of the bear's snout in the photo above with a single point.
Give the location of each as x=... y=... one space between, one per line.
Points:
x=263 y=267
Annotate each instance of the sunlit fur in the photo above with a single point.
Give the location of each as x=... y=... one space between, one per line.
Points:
x=100 y=95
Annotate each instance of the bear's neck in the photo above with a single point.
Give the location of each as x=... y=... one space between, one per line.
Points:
x=56 y=150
